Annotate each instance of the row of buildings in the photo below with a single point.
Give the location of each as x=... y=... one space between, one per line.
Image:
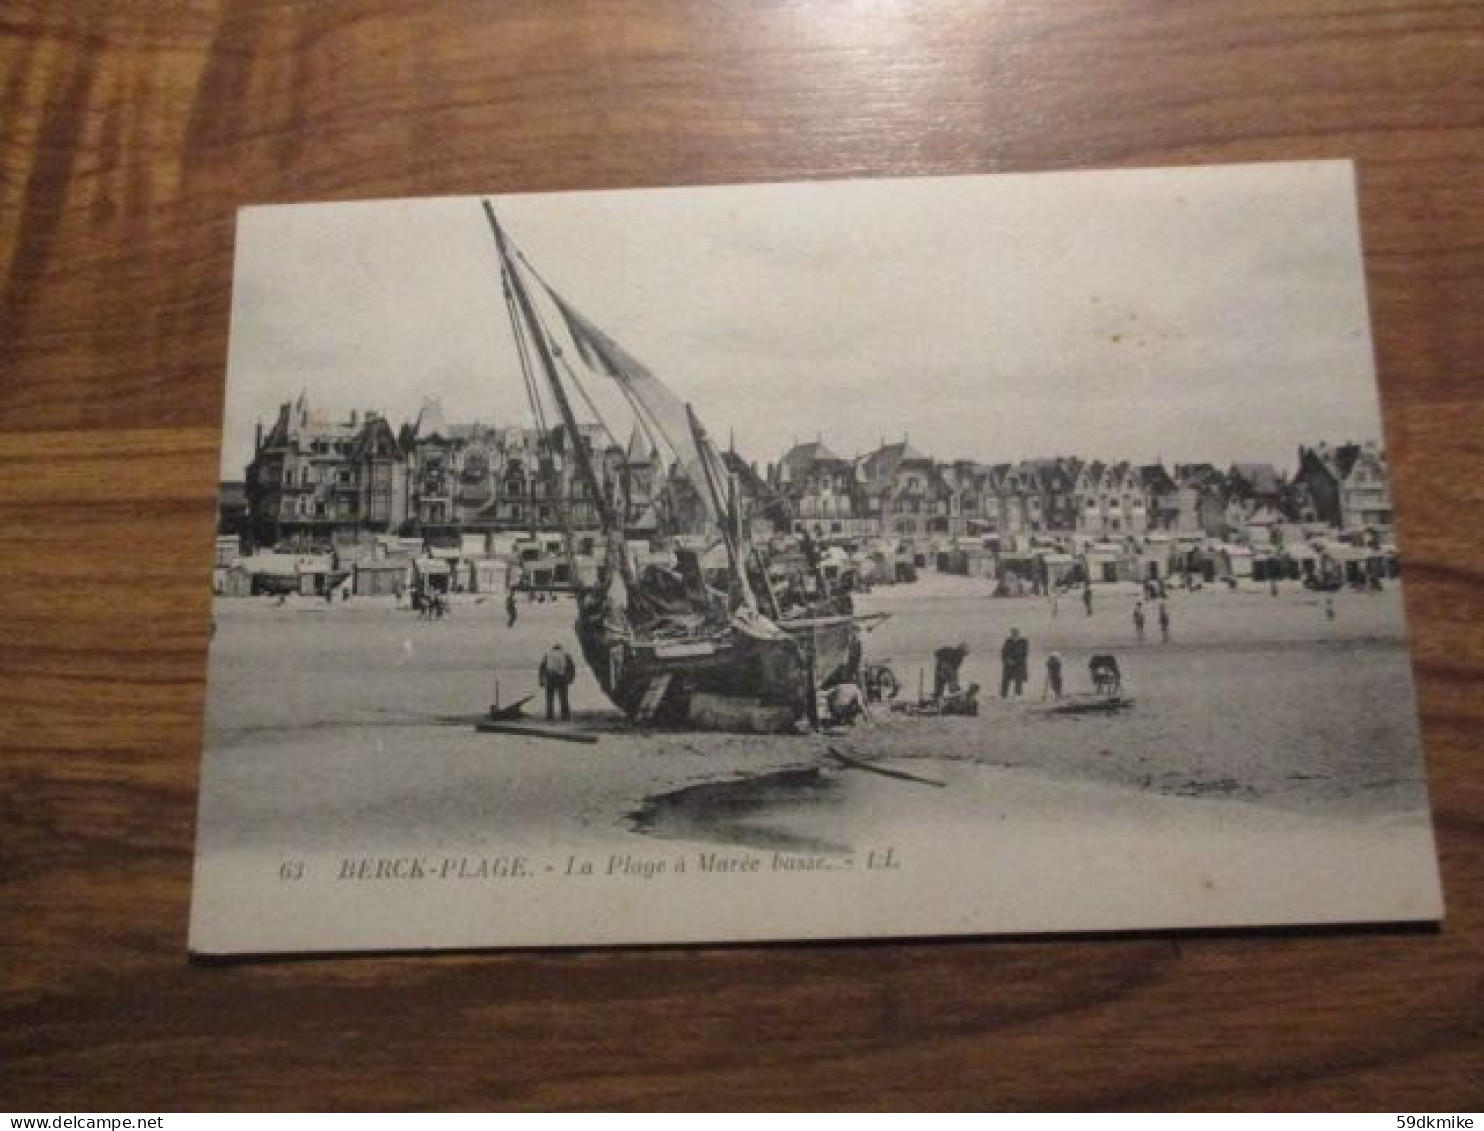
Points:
x=899 y=490
x=316 y=480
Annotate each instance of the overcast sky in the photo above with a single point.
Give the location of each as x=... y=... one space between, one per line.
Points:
x=1210 y=313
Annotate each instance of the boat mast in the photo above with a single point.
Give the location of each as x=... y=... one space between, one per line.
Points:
x=728 y=534
x=559 y=394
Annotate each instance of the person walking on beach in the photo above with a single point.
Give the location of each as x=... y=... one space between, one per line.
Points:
x=1329 y=608
x=1053 y=676
x=1139 y=621
x=510 y=609
x=1164 y=623
x=556 y=674
x=1087 y=599
x=946 y=662
x=1014 y=658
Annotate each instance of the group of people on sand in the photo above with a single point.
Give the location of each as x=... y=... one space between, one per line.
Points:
x=1163 y=615
x=1014 y=674
x=429 y=604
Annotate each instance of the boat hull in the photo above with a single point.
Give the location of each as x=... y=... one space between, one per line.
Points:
x=679 y=682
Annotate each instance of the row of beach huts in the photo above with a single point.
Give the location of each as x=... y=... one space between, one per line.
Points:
x=383 y=565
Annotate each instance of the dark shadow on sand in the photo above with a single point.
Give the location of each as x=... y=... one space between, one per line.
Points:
x=746 y=812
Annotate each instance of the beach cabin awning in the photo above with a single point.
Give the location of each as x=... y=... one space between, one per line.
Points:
x=432 y=567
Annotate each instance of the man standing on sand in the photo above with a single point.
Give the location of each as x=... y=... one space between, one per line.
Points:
x=1014 y=658
x=1164 y=623
x=946 y=662
x=1139 y=620
x=556 y=674
x=510 y=609
x=1053 y=676
x=1087 y=599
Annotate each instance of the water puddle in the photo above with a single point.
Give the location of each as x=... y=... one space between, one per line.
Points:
x=781 y=811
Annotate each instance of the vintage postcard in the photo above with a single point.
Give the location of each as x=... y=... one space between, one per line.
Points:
x=800 y=561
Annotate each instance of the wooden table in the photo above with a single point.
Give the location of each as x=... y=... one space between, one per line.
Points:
x=131 y=132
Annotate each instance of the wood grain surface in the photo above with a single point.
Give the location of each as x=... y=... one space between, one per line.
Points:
x=131 y=132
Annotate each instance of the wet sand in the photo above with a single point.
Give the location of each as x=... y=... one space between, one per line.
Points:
x=1269 y=752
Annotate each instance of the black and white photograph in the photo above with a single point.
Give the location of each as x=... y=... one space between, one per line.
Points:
x=836 y=559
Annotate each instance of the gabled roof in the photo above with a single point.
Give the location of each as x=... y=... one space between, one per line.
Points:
x=1156 y=478
x=373 y=429
x=1262 y=478
x=812 y=452
x=884 y=461
x=1198 y=475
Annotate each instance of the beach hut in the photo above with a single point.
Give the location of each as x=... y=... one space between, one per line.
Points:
x=1236 y=561
x=272 y=573
x=1059 y=569
x=487 y=575
x=316 y=573
x=382 y=577
x=432 y=574
x=236 y=580
x=1108 y=563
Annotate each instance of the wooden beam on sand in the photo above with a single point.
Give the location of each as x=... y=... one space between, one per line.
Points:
x=857 y=764
x=487 y=726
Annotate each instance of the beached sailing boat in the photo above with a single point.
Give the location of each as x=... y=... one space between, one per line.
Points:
x=708 y=641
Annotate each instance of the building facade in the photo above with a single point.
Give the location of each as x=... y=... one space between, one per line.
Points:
x=313 y=478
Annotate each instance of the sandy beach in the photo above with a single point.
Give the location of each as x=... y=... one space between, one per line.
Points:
x=1267 y=771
